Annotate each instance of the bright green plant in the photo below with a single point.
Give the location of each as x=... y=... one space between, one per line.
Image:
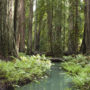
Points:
x=27 y=68
x=78 y=67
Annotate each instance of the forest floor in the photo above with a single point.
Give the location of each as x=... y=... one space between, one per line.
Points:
x=19 y=72
x=78 y=67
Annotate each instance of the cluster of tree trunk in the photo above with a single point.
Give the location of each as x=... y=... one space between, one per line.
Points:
x=12 y=27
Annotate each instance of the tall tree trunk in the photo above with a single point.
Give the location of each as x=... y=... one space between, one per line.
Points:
x=71 y=28
x=7 y=35
x=85 y=47
x=29 y=44
x=38 y=36
x=49 y=18
x=22 y=26
x=76 y=27
x=16 y=23
x=87 y=36
x=35 y=31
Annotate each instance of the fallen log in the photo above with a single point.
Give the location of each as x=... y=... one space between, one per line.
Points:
x=57 y=59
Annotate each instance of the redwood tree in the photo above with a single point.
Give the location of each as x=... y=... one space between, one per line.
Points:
x=29 y=42
x=85 y=48
x=22 y=26
x=7 y=31
x=50 y=27
x=73 y=27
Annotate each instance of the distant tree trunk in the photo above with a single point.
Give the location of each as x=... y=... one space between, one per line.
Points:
x=38 y=37
x=35 y=31
x=86 y=37
x=83 y=45
x=7 y=31
x=38 y=19
x=76 y=26
x=64 y=38
x=71 y=30
x=49 y=18
x=22 y=26
x=29 y=44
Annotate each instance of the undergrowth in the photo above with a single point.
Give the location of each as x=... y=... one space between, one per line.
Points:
x=28 y=68
x=78 y=67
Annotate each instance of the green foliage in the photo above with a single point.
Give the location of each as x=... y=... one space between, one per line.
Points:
x=79 y=68
x=68 y=58
x=72 y=67
x=27 y=68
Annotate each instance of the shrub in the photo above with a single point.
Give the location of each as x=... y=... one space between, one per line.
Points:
x=27 y=68
x=78 y=68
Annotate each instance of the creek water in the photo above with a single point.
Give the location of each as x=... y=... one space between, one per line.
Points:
x=57 y=80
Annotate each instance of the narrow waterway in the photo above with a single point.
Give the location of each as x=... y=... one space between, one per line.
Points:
x=57 y=80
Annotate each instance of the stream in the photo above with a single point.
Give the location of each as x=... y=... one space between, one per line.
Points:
x=57 y=80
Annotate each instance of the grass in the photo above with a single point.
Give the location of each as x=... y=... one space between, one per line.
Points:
x=28 y=68
x=78 y=68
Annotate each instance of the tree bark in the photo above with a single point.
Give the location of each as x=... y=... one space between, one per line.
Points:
x=22 y=26
x=49 y=18
x=16 y=23
x=38 y=37
x=29 y=44
x=85 y=47
x=7 y=31
x=88 y=28
x=73 y=28
x=76 y=26
x=35 y=31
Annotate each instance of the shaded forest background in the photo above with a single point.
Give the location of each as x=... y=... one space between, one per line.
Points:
x=51 y=27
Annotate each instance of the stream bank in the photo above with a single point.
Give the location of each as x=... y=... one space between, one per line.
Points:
x=57 y=80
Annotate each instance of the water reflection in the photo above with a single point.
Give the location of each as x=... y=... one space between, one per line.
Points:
x=57 y=80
